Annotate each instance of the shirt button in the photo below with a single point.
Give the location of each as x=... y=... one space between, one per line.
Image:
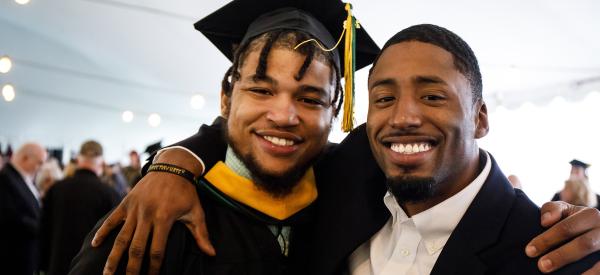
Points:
x=405 y=252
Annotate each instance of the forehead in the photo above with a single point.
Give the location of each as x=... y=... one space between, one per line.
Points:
x=415 y=58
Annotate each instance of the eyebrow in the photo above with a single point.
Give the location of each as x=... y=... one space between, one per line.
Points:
x=385 y=81
x=257 y=78
x=419 y=80
x=429 y=79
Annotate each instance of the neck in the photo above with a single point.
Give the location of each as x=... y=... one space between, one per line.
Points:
x=235 y=163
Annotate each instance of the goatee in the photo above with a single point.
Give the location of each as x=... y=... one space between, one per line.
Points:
x=411 y=189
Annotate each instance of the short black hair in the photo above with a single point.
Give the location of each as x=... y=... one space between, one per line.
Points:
x=464 y=57
x=283 y=39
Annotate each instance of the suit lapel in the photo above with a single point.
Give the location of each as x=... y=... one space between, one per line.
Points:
x=23 y=190
x=479 y=228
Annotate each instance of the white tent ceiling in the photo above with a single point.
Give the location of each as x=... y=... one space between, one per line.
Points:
x=77 y=64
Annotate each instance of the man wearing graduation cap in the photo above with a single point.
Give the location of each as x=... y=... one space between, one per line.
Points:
x=577 y=189
x=363 y=169
x=279 y=98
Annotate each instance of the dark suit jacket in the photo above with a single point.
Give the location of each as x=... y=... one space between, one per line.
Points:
x=19 y=222
x=71 y=209
x=490 y=238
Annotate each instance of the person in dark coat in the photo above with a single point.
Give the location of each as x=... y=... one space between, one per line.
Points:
x=20 y=211
x=280 y=103
x=72 y=207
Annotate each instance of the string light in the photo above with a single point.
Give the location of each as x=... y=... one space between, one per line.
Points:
x=5 y=64
x=8 y=92
x=154 y=120
x=127 y=116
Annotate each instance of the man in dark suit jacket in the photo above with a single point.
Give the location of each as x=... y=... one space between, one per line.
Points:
x=72 y=207
x=20 y=211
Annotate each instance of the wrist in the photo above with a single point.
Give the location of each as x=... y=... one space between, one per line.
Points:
x=181 y=158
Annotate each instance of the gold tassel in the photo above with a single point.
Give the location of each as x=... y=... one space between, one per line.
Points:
x=350 y=26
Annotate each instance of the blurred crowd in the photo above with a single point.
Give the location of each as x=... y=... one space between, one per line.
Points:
x=47 y=208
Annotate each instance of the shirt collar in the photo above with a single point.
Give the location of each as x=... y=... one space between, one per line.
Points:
x=437 y=223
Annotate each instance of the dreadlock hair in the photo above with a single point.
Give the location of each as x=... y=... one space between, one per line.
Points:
x=283 y=39
x=464 y=58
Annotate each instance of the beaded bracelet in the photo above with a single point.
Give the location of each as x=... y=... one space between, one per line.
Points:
x=172 y=169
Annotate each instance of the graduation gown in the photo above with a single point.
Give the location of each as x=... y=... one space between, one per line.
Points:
x=240 y=234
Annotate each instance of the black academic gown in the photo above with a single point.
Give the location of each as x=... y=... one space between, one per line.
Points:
x=490 y=238
x=241 y=237
x=71 y=208
x=19 y=224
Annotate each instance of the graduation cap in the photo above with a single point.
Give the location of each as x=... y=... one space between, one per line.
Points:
x=328 y=21
x=152 y=148
x=578 y=163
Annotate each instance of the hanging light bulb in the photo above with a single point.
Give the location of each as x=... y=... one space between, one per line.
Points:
x=22 y=2
x=8 y=92
x=127 y=116
x=154 y=120
x=5 y=64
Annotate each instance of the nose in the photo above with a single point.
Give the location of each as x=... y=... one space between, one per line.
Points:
x=406 y=114
x=283 y=112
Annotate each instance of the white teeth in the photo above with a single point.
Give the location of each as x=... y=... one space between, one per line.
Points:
x=279 y=141
x=410 y=148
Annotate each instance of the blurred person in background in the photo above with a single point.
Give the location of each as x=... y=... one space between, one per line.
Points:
x=48 y=175
x=133 y=172
x=113 y=176
x=577 y=188
x=72 y=207
x=70 y=168
x=20 y=211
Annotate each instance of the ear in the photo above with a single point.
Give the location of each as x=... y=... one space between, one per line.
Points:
x=225 y=104
x=481 y=123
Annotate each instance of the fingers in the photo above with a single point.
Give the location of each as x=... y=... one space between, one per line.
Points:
x=114 y=219
x=121 y=243
x=595 y=270
x=554 y=211
x=138 y=247
x=157 y=248
x=572 y=226
x=571 y=252
x=196 y=223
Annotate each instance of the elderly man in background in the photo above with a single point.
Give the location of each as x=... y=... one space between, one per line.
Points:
x=20 y=210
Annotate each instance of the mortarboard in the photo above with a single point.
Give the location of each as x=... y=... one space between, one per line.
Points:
x=152 y=148
x=579 y=163
x=325 y=20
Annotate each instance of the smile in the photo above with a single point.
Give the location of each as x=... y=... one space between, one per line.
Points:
x=279 y=141
x=410 y=148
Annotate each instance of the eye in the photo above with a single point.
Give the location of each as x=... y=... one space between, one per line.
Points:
x=384 y=99
x=311 y=101
x=433 y=97
x=260 y=91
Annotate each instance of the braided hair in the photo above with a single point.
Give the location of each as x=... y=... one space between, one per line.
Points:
x=464 y=57
x=282 y=39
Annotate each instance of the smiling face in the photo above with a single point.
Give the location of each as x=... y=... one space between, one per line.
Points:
x=278 y=124
x=422 y=122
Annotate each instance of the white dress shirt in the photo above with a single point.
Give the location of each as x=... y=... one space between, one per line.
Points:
x=411 y=245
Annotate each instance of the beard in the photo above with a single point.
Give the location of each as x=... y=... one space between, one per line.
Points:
x=278 y=184
x=412 y=189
